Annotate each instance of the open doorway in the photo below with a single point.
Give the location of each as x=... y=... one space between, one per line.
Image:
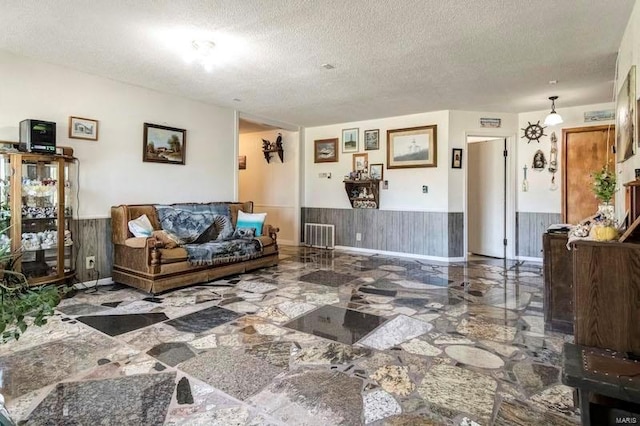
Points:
x=490 y=198
x=269 y=177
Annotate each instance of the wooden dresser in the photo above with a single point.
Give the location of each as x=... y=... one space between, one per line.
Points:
x=606 y=285
x=558 y=283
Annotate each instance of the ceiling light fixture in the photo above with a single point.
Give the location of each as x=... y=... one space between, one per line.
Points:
x=202 y=51
x=553 y=118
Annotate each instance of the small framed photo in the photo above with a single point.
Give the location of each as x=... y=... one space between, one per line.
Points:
x=325 y=150
x=350 y=140
x=360 y=162
x=371 y=139
x=412 y=147
x=376 y=171
x=162 y=144
x=242 y=162
x=456 y=158
x=83 y=128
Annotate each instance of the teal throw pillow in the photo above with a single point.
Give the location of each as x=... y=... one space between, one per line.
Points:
x=251 y=220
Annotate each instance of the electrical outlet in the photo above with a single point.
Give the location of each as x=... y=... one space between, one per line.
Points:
x=358 y=236
x=425 y=189
x=90 y=262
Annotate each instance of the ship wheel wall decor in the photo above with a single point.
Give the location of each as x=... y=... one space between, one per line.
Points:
x=533 y=132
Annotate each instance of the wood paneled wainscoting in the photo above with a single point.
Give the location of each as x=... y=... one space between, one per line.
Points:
x=92 y=237
x=530 y=227
x=437 y=234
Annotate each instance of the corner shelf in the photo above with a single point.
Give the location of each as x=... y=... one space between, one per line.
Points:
x=355 y=190
x=267 y=154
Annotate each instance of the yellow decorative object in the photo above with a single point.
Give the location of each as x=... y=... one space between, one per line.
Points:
x=605 y=233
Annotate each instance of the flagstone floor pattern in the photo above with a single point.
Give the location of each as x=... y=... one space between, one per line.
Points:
x=324 y=338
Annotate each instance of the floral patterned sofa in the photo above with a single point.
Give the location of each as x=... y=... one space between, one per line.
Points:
x=153 y=265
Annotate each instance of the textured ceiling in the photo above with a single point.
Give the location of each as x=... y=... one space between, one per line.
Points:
x=391 y=57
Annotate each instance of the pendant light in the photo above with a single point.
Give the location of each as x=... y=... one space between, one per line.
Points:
x=553 y=118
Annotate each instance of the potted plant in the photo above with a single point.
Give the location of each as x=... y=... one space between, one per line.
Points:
x=604 y=188
x=20 y=305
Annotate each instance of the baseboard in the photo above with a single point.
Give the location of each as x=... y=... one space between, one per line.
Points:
x=400 y=254
x=529 y=259
x=93 y=283
x=286 y=242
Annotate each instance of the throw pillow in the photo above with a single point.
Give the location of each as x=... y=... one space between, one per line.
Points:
x=141 y=226
x=244 y=233
x=251 y=220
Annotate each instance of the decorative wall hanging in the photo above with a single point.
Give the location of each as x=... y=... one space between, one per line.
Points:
x=412 y=147
x=269 y=148
x=533 y=132
x=360 y=162
x=626 y=117
x=371 y=139
x=325 y=150
x=553 y=161
x=456 y=158
x=525 y=183
x=350 y=140
x=162 y=144
x=242 y=162
x=83 y=128
x=539 y=162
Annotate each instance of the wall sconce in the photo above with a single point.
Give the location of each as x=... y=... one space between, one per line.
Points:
x=553 y=118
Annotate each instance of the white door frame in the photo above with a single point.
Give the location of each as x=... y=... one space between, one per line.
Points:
x=298 y=162
x=511 y=183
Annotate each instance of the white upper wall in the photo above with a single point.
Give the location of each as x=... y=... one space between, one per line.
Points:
x=111 y=169
x=467 y=123
x=540 y=198
x=405 y=185
x=629 y=55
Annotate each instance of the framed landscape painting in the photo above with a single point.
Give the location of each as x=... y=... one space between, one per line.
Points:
x=162 y=144
x=350 y=140
x=325 y=150
x=626 y=117
x=412 y=147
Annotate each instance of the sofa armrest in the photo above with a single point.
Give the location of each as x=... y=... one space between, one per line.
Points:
x=271 y=231
x=138 y=254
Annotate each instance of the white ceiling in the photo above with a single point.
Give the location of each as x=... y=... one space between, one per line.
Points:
x=392 y=57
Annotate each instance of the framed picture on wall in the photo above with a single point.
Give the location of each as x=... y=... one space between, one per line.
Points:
x=83 y=128
x=376 y=171
x=360 y=162
x=371 y=139
x=626 y=117
x=325 y=150
x=242 y=162
x=350 y=140
x=412 y=147
x=456 y=158
x=162 y=144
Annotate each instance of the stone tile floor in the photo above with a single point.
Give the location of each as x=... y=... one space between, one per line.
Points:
x=324 y=338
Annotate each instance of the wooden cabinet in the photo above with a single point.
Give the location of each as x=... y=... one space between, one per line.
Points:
x=606 y=285
x=363 y=194
x=558 y=283
x=36 y=215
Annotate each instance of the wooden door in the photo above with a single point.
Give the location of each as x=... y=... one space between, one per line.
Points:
x=584 y=151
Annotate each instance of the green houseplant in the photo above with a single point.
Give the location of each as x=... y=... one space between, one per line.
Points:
x=20 y=305
x=604 y=188
x=604 y=184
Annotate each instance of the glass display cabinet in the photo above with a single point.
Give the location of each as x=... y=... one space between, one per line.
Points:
x=36 y=214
